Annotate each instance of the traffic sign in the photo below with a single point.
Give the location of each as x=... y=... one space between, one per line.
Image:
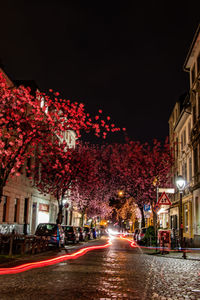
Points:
x=156 y=208
x=147 y=207
x=164 y=200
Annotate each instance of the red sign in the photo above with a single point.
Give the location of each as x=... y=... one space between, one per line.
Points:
x=164 y=200
x=156 y=208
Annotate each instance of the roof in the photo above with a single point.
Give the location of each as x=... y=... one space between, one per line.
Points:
x=189 y=55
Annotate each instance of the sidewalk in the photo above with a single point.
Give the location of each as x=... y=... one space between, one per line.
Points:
x=190 y=254
x=15 y=260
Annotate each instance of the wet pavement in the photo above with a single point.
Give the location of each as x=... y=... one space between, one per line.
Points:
x=118 y=272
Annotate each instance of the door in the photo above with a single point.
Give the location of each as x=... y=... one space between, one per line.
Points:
x=34 y=214
x=26 y=215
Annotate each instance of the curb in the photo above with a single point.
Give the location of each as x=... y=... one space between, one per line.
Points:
x=169 y=256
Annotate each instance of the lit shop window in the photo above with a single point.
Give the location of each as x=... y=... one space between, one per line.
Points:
x=186 y=217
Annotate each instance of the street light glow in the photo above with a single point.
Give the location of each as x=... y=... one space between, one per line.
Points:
x=180 y=183
x=120 y=193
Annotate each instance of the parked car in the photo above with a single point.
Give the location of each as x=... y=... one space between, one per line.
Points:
x=82 y=234
x=88 y=232
x=54 y=232
x=71 y=234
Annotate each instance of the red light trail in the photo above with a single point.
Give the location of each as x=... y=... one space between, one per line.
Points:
x=52 y=261
x=132 y=243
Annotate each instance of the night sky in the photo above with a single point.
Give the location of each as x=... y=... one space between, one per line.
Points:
x=123 y=57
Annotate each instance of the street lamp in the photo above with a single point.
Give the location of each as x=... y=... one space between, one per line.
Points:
x=180 y=183
x=120 y=193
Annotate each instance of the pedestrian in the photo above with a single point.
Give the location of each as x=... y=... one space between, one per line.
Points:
x=94 y=233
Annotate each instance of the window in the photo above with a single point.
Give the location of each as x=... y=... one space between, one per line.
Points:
x=4 y=200
x=16 y=210
x=185 y=168
x=186 y=217
x=176 y=147
x=197 y=210
x=193 y=74
x=26 y=210
x=199 y=106
x=184 y=137
x=190 y=169
x=26 y=203
x=181 y=141
x=195 y=161
x=189 y=131
x=194 y=114
x=174 y=222
x=198 y=64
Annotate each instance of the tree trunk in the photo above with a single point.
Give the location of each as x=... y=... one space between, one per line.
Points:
x=142 y=214
x=82 y=217
x=60 y=215
x=155 y=221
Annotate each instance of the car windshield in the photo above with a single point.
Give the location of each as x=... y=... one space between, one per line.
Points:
x=46 y=229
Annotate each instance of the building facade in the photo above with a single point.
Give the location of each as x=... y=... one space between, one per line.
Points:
x=180 y=139
x=192 y=66
x=184 y=133
x=23 y=207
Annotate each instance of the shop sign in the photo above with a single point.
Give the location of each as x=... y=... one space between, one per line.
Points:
x=43 y=207
x=166 y=190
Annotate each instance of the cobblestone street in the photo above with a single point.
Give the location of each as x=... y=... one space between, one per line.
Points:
x=118 y=272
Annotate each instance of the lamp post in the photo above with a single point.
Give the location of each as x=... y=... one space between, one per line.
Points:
x=180 y=183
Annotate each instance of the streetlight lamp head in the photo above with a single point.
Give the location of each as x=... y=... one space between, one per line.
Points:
x=180 y=183
x=121 y=193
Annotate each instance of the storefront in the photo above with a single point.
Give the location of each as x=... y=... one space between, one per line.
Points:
x=163 y=216
x=43 y=213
